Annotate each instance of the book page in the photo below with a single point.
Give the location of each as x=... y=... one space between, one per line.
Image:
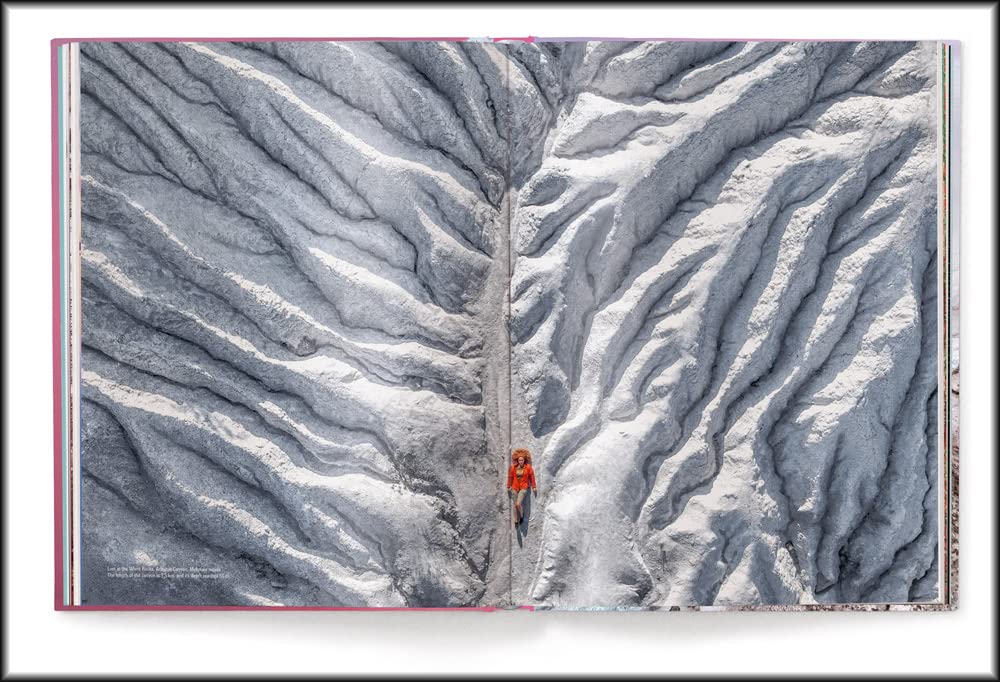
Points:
x=295 y=260
x=725 y=324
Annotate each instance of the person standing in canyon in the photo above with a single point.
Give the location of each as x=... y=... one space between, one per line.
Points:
x=519 y=478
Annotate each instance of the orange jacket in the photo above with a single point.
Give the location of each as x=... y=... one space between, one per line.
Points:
x=524 y=481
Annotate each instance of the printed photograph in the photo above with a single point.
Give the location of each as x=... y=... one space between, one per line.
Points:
x=565 y=324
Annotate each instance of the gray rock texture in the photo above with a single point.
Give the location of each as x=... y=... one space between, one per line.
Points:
x=723 y=322
x=291 y=306
x=327 y=286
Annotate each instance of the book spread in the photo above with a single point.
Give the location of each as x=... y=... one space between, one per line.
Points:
x=473 y=323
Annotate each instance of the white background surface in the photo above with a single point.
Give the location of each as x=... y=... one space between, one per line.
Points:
x=43 y=641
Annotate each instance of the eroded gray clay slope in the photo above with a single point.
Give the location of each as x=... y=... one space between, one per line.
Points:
x=294 y=260
x=723 y=324
x=295 y=353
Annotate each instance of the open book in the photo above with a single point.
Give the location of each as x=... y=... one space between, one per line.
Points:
x=311 y=295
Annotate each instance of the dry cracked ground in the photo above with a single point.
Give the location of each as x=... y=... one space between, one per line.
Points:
x=302 y=371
